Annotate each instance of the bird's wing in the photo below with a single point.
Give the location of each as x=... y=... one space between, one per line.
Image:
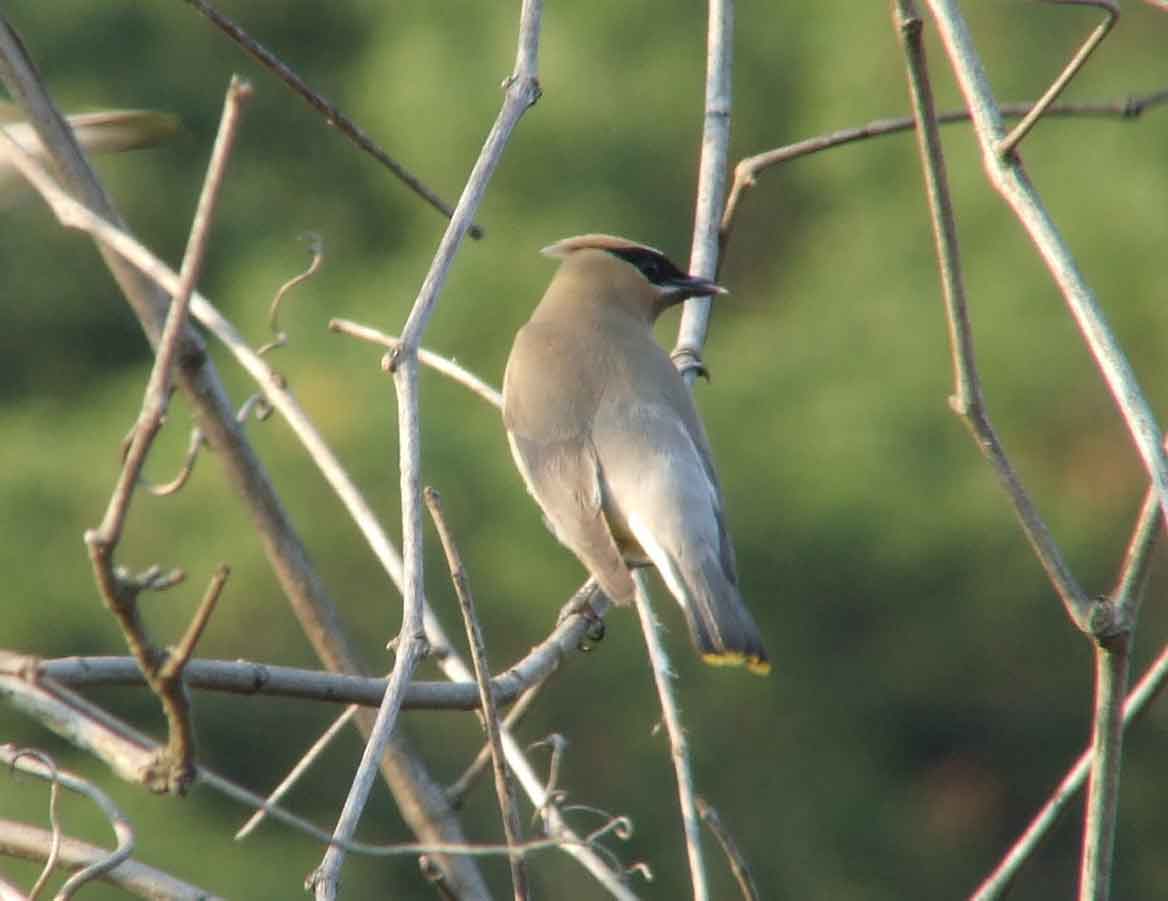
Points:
x=549 y=438
x=659 y=480
x=659 y=486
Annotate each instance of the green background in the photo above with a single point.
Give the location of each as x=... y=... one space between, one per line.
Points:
x=928 y=690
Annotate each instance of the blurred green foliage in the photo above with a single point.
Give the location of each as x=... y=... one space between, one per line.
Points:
x=928 y=693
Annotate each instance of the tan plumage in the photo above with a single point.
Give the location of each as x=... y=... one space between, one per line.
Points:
x=610 y=444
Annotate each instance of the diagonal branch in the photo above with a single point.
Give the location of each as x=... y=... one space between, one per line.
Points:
x=998 y=882
x=1009 y=178
x=504 y=789
x=331 y=114
x=1111 y=11
x=967 y=401
x=749 y=168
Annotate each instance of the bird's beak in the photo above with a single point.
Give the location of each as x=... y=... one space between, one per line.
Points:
x=678 y=289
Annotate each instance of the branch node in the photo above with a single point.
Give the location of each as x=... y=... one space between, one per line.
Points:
x=689 y=359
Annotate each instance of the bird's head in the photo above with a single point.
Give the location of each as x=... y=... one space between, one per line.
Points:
x=639 y=273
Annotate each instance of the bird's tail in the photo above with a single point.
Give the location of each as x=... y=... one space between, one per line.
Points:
x=723 y=629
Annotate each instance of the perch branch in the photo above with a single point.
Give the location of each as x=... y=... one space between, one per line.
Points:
x=711 y=188
x=678 y=747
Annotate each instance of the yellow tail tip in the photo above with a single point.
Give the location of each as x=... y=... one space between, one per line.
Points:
x=756 y=665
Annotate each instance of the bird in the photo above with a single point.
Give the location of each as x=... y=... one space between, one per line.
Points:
x=606 y=436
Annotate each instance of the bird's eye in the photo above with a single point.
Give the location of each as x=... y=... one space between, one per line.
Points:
x=651 y=268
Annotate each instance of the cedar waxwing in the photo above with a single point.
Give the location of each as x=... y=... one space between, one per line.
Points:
x=606 y=435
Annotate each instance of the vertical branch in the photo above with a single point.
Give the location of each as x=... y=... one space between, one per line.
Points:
x=1009 y=178
x=1112 y=664
x=522 y=91
x=695 y=319
x=678 y=748
x=996 y=884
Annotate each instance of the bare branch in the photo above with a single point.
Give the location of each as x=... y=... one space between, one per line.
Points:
x=280 y=338
x=967 y=400
x=738 y=865
x=522 y=90
x=999 y=881
x=1009 y=178
x=458 y=789
x=176 y=484
x=512 y=827
x=1111 y=10
x=288 y=782
x=441 y=364
x=711 y=188
x=678 y=747
x=331 y=114
x=748 y=170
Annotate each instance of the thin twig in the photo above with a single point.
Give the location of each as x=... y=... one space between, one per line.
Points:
x=331 y=114
x=678 y=747
x=309 y=757
x=54 y=821
x=1137 y=559
x=1008 y=176
x=447 y=367
x=504 y=789
x=967 y=400
x=280 y=338
x=748 y=170
x=522 y=90
x=1111 y=11
x=176 y=484
x=738 y=865
x=176 y=766
x=711 y=187
x=36 y=765
x=457 y=791
x=996 y=884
